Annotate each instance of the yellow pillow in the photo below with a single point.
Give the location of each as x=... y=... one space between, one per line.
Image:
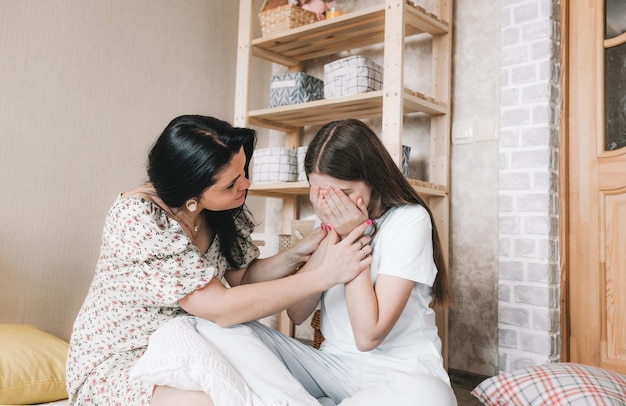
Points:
x=32 y=365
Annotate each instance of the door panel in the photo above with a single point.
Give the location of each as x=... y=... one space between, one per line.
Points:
x=595 y=285
x=613 y=236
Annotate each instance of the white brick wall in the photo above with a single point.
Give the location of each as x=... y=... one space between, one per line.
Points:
x=528 y=291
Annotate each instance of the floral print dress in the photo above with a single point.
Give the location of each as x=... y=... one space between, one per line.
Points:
x=146 y=265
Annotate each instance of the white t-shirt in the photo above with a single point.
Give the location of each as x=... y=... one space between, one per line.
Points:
x=402 y=247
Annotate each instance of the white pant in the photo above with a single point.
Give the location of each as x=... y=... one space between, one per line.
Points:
x=266 y=376
x=326 y=375
x=404 y=389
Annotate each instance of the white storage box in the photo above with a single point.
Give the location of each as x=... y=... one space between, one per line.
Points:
x=301 y=155
x=274 y=165
x=295 y=87
x=351 y=75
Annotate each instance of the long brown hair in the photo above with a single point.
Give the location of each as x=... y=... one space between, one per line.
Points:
x=350 y=150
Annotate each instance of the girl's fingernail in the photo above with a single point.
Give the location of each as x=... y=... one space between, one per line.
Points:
x=369 y=221
x=322 y=226
x=329 y=227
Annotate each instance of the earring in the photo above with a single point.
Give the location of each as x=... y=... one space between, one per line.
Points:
x=192 y=205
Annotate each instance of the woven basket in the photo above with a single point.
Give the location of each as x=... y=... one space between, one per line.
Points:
x=278 y=15
x=318 y=338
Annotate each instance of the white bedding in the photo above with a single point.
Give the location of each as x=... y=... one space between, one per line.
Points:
x=232 y=365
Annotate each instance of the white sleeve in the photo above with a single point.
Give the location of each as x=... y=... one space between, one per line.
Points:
x=405 y=241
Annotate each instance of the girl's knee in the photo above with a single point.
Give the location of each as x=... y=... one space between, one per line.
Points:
x=428 y=389
x=403 y=388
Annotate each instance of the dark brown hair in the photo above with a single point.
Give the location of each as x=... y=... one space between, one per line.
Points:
x=350 y=150
x=188 y=157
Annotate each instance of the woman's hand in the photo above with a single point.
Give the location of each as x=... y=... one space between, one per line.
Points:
x=280 y=265
x=309 y=244
x=342 y=260
x=334 y=207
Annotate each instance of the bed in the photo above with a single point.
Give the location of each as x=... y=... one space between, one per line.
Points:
x=32 y=371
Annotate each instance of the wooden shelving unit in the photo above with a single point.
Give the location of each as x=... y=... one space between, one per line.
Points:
x=389 y=24
x=366 y=105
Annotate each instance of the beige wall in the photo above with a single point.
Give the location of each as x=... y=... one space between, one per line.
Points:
x=85 y=88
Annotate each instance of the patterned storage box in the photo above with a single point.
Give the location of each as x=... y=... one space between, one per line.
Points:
x=351 y=75
x=274 y=165
x=295 y=87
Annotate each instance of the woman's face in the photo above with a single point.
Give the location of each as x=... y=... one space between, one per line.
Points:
x=229 y=191
x=352 y=189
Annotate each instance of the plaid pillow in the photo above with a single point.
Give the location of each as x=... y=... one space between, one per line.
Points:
x=560 y=383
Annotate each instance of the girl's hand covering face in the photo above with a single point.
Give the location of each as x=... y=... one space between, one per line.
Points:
x=336 y=208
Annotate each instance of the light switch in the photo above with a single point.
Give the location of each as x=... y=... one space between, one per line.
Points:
x=463 y=132
x=485 y=129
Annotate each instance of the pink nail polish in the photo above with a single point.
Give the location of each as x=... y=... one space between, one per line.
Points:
x=369 y=221
x=329 y=227
x=322 y=226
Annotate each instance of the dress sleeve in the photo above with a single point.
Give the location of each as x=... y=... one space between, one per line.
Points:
x=407 y=248
x=249 y=251
x=158 y=262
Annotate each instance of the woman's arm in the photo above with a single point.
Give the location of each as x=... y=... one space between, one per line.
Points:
x=303 y=309
x=342 y=261
x=277 y=266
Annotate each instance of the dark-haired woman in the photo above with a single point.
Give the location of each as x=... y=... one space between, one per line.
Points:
x=167 y=247
x=381 y=343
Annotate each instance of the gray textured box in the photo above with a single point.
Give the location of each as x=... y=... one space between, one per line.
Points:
x=295 y=87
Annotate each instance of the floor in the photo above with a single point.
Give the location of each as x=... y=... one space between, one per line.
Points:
x=462 y=384
x=463 y=396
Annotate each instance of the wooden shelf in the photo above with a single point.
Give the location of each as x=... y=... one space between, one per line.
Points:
x=285 y=189
x=362 y=106
x=352 y=30
x=385 y=27
x=428 y=188
x=279 y=189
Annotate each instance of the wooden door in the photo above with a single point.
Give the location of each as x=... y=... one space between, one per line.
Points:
x=594 y=154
